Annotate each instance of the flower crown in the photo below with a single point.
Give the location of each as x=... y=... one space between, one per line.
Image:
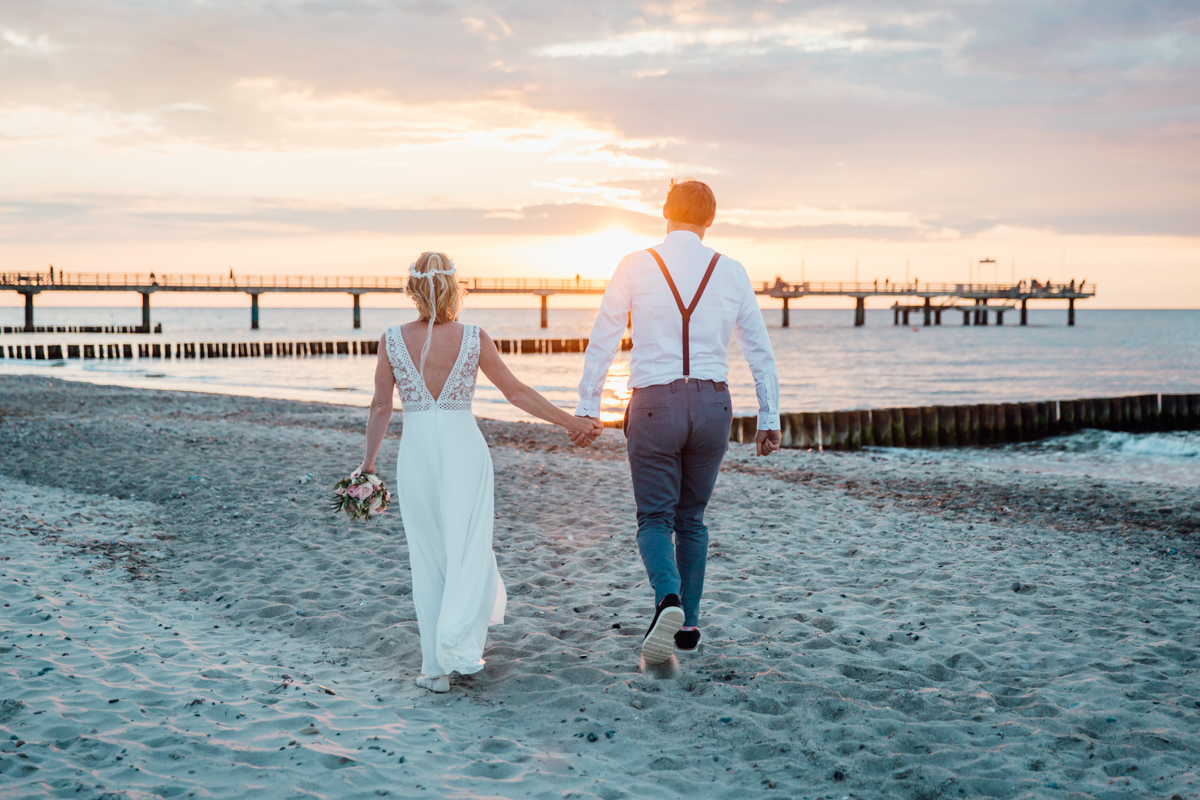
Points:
x=412 y=270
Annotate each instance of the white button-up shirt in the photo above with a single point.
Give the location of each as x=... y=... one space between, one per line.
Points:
x=727 y=306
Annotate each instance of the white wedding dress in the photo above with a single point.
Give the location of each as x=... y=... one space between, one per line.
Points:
x=444 y=486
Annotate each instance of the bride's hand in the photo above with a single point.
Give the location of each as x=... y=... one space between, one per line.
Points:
x=584 y=430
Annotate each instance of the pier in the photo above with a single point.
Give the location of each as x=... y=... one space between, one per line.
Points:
x=977 y=301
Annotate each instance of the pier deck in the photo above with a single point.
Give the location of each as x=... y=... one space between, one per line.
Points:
x=981 y=295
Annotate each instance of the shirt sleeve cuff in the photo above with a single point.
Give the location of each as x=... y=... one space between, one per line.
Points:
x=588 y=408
x=768 y=422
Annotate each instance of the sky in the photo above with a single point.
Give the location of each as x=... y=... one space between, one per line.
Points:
x=538 y=137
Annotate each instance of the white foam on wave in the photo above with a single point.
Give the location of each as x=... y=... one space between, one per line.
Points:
x=1182 y=444
x=1165 y=457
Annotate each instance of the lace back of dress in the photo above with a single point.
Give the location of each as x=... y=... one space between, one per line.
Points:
x=459 y=390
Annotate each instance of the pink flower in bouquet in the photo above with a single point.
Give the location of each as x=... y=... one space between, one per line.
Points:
x=376 y=504
x=354 y=490
x=340 y=492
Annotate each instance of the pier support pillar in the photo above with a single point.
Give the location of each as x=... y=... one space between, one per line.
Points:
x=1024 y=310
x=937 y=316
x=966 y=317
x=253 y=311
x=545 y=311
x=1071 y=312
x=983 y=313
x=860 y=311
x=145 y=313
x=928 y=309
x=786 y=316
x=905 y=312
x=28 y=311
x=895 y=315
x=357 y=311
x=1000 y=317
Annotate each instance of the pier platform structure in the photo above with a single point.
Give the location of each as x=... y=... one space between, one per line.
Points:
x=975 y=300
x=985 y=298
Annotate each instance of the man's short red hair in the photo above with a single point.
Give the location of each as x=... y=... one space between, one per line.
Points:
x=691 y=202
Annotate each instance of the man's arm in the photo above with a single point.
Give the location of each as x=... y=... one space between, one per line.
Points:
x=605 y=339
x=755 y=344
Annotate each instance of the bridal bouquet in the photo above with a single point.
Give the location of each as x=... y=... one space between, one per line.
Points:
x=361 y=496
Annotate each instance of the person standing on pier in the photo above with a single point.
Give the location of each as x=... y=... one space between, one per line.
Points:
x=678 y=419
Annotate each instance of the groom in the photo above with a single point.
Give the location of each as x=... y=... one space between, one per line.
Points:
x=687 y=300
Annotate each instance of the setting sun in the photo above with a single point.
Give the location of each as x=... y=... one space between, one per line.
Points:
x=593 y=256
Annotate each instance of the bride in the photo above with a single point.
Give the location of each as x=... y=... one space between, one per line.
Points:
x=444 y=470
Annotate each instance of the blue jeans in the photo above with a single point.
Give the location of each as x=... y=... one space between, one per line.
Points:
x=678 y=434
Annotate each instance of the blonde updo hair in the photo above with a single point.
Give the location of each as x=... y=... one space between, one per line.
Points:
x=447 y=294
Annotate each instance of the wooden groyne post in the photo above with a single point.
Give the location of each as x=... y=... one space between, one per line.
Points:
x=980 y=424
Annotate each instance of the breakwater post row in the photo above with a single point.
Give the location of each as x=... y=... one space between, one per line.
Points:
x=182 y=350
x=83 y=329
x=984 y=424
x=260 y=349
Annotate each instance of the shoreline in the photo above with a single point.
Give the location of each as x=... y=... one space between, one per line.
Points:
x=907 y=626
x=823 y=363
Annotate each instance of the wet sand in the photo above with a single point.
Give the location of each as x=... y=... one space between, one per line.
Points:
x=184 y=617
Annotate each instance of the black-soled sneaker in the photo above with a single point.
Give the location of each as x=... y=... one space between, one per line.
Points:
x=687 y=641
x=659 y=643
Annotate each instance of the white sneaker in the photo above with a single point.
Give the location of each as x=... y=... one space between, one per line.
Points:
x=659 y=644
x=437 y=685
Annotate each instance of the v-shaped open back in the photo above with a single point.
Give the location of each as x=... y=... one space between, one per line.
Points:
x=412 y=361
x=456 y=393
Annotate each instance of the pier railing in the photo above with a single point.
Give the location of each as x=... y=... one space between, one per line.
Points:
x=1013 y=291
x=141 y=281
x=147 y=283
x=151 y=281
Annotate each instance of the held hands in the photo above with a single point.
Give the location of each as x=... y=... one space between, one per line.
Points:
x=767 y=442
x=584 y=430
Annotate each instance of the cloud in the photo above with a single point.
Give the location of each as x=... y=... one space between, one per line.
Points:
x=1074 y=116
x=117 y=216
x=21 y=41
x=106 y=217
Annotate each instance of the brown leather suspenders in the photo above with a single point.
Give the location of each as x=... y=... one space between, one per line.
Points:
x=686 y=312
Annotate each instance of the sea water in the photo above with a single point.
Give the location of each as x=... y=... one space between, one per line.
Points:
x=824 y=362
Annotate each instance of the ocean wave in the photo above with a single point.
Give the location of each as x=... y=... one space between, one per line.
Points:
x=1118 y=445
x=1182 y=444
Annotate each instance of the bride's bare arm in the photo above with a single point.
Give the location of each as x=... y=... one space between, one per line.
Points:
x=526 y=398
x=381 y=407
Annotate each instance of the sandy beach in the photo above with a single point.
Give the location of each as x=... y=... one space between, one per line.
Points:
x=183 y=618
